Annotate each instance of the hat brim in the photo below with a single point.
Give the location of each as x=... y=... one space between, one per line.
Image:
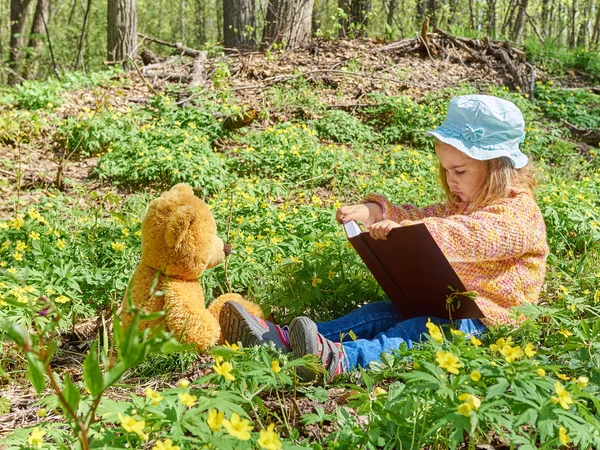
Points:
x=519 y=161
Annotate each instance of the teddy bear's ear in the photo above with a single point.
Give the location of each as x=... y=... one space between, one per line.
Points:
x=178 y=225
x=183 y=188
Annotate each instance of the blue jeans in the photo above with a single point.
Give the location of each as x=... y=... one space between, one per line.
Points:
x=379 y=328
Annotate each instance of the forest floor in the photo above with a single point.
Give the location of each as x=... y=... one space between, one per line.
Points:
x=340 y=73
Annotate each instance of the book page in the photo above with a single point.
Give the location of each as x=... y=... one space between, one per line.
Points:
x=352 y=229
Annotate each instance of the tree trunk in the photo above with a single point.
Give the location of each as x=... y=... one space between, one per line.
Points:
x=392 y=5
x=453 y=7
x=584 y=26
x=545 y=11
x=18 y=17
x=473 y=14
x=491 y=19
x=596 y=33
x=201 y=19
x=288 y=21
x=36 y=39
x=421 y=8
x=239 y=24
x=122 y=31
x=573 y=34
x=520 y=22
x=356 y=22
x=182 y=28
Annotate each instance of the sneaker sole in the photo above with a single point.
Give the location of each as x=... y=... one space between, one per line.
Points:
x=301 y=329
x=240 y=326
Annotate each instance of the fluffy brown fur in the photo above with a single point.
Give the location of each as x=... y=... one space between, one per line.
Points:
x=179 y=242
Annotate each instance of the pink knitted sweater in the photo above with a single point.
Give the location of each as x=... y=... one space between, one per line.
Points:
x=498 y=251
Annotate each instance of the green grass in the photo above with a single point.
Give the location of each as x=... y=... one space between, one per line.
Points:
x=280 y=186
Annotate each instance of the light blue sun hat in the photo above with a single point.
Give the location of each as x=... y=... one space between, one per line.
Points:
x=484 y=127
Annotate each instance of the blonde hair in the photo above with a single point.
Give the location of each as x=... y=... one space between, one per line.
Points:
x=501 y=178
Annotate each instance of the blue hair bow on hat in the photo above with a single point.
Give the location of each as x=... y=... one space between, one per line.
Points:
x=471 y=134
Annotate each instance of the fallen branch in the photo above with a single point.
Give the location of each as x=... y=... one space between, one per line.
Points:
x=587 y=135
x=181 y=49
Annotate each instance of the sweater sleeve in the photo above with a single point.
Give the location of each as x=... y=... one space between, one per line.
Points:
x=399 y=213
x=504 y=230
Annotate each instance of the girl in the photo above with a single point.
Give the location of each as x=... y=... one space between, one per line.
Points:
x=490 y=229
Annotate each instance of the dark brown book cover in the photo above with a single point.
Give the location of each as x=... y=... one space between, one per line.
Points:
x=412 y=270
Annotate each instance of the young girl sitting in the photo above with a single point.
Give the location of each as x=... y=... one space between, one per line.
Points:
x=490 y=229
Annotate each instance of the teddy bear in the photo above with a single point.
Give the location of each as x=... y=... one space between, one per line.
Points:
x=179 y=242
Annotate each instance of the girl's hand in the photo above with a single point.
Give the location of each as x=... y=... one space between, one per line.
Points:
x=380 y=230
x=367 y=213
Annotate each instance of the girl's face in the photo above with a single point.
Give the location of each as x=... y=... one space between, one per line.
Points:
x=464 y=175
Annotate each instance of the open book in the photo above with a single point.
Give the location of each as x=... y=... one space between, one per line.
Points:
x=413 y=272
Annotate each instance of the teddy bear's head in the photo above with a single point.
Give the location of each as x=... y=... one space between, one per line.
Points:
x=179 y=235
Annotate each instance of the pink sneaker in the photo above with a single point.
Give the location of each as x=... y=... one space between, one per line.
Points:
x=238 y=325
x=306 y=340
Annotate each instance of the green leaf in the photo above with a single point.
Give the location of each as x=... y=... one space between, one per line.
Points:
x=92 y=374
x=497 y=389
x=71 y=396
x=35 y=372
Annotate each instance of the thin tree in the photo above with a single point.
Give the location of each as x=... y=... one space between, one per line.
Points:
x=596 y=33
x=36 y=38
x=520 y=22
x=18 y=18
x=121 y=31
x=357 y=16
x=573 y=31
x=491 y=18
x=239 y=24
x=82 y=35
x=287 y=21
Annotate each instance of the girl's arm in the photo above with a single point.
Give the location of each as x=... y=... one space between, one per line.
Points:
x=508 y=229
x=399 y=213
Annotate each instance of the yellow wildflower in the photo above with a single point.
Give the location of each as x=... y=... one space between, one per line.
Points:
x=563 y=437
x=448 y=361
x=564 y=399
x=475 y=375
x=269 y=439
x=476 y=342
x=215 y=420
x=563 y=377
x=17 y=256
x=131 y=425
x=456 y=332
x=529 y=350
x=500 y=343
x=511 y=353
x=237 y=427
x=36 y=437
x=62 y=299
x=233 y=347
x=540 y=372
x=224 y=370
x=21 y=246
x=118 y=246
x=566 y=333
x=464 y=409
x=188 y=400
x=166 y=445
x=316 y=280
x=183 y=383
x=582 y=382
x=331 y=274
x=275 y=366
x=154 y=396
x=34 y=236
x=434 y=331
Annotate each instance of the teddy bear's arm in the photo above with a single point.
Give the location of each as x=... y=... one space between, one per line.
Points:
x=187 y=317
